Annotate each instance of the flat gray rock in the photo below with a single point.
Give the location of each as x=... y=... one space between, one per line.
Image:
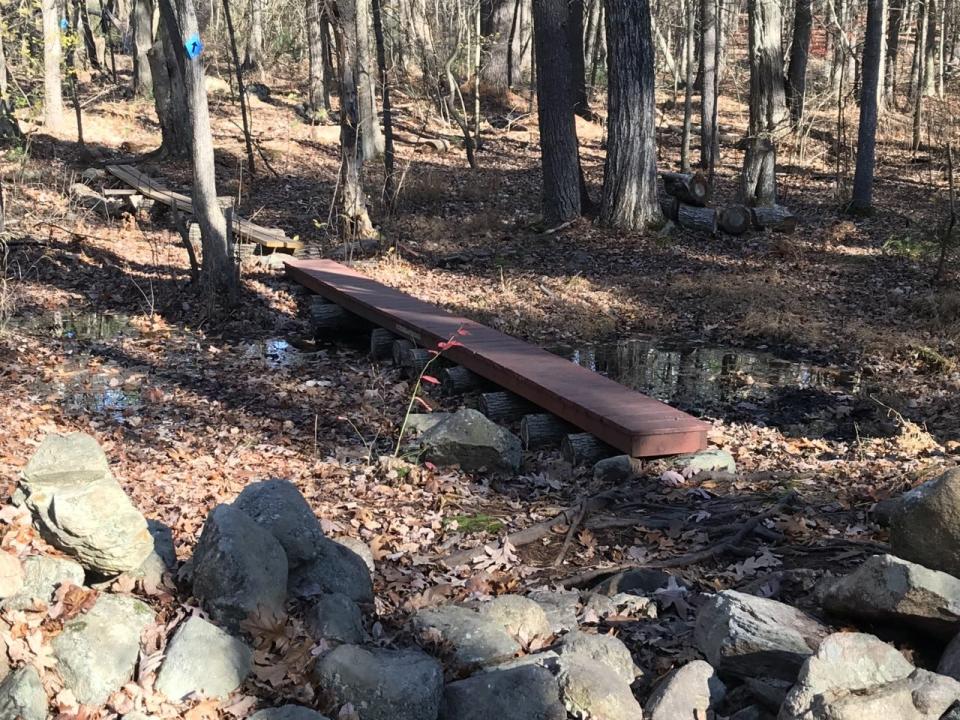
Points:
x=471 y=440
x=97 y=652
x=560 y=607
x=277 y=506
x=888 y=589
x=589 y=693
x=334 y=617
x=42 y=575
x=22 y=696
x=521 y=617
x=599 y=650
x=381 y=684
x=523 y=693
x=472 y=641
x=237 y=567
x=334 y=569
x=709 y=460
x=925 y=525
x=854 y=676
x=749 y=636
x=203 y=661
x=690 y=691
x=288 y=712
x=80 y=508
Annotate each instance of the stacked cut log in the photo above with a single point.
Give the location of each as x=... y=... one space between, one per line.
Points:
x=329 y=317
x=773 y=217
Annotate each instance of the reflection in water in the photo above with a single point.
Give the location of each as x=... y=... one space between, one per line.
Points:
x=79 y=326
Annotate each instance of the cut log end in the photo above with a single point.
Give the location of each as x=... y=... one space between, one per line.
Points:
x=458 y=380
x=399 y=351
x=540 y=430
x=504 y=406
x=776 y=218
x=735 y=219
x=584 y=449
x=381 y=344
x=689 y=188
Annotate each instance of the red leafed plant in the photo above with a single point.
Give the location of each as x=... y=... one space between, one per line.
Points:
x=425 y=377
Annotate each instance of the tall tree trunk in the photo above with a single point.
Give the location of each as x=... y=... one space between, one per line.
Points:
x=89 y=44
x=253 y=58
x=799 y=52
x=218 y=269
x=630 y=174
x=578 y=80
x=691 y=25
x=371 y=137
x=9 y=129
x=317 y=97
x=328 y=72
x=768 y=109
x=916 y=65
x=866 y=139
x=930 y=49
x=355 y=218
x=383 y=74
x=142 y=22
x=708 y=70
x=495 y=23
x=168 y=97
x=559 y=151
x=52 y=89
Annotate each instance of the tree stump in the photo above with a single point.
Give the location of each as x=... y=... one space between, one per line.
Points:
x=504 y=406
x=457 y=380
x=735 y=219
x=540 y=430
x=584 y=449
x=689 y=188
x=774 y=217
x=703 y=219
x=381 y=344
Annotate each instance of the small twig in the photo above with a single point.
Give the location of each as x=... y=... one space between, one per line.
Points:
x=577 y=519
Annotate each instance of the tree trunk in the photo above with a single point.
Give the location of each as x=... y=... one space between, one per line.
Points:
x=253 y=59
x=799 y=52
x=930 y=50
x=317 y=98
x=9 y=129
x=383 y=74
x=356 y=219
x=708 y=70
x=52 y=92
x=578 y=79
x=862 y=200
x=691 y=22
x=168 y=98
x=89 y=44
x=559 y=152
x=495 y=25
x=768 y=108
x=142 y=22
x=218 y=269
x=371 y=136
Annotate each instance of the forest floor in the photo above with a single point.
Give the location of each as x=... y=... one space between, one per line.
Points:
x=101 y=333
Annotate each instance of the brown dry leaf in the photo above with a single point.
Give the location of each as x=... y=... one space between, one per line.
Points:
x=241 y=706
x=206 y=710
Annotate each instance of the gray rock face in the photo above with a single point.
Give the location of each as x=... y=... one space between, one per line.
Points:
x=22 y=696
x=97 y=652
x=237 y=567
x=469 y=439
x=950 y=660
x=41 y=577
x=521 y=617
x=748 y=636
x=203 y=659
x=616 y=468
x=278 y=507
x=859 y=677
x=603 y=650
x=288 y=712
x=80 y=508
x=382 y=684
x=925 y=526
x=334 y=569
x=334 y=617
x=560 y=607
x=687 y=692
x=589 y=694
x=162 y=559
x=887 y=588
x=472 y=640
x=639 y=581
x=709 y=460
x=360 y=548
x=522 y=693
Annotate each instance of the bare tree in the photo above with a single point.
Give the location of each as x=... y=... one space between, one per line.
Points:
x=630 y=174
x=894 y=25
x=708 y=80
x=142 y=22
x=862 y=200
x=253 y=58
x=578 y=77
x=52 y=55
x=496 y=18
x=168 y=97
x=799 y=51
x=691 y=29
x=371 y=136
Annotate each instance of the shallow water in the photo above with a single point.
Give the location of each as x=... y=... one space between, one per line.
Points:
x=77 y=326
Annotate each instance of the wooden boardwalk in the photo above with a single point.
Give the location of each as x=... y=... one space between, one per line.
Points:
x=244 y=229
x=625 y=419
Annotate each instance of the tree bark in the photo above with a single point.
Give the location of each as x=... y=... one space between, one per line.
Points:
x=578 y=79
x=383 y=74
x=799 y=52
x=930 y=49
x=317 y=97
x=559 y=152
x=52 y=53
x=168 y=98
x=630 y=173
x=371 y=136
x=495 y=23
x=708 y=71
x=253 y=58
x=862 y=200
x=691 y=22
x=142 y=22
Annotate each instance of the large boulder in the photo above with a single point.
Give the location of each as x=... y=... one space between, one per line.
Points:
x=471 y=640
x=522 y=693
x=335 y=568
x=949 y=664
x=161 y=560
x=588 y=692
x=237 y=568
x=691 y=691
x=41 y=577
x=602 y=651
x=469 y=439
x=22 y=696
x=886 y=588
x=521 y=617
x=381 y=684
x=97 y=652
x=334 y=617
x=278 y=507
x=204 y=661
x=925 y=525
x=859 y=677
x=745 y=636
x=709 y=460
x=560 y=607
x=79 y=507
x=288 y=712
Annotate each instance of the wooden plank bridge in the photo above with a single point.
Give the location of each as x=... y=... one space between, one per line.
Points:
x=623 y=418
x=243 y=229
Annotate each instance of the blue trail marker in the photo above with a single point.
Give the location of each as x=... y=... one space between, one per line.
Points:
x=64 y=24
x=194 y=46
